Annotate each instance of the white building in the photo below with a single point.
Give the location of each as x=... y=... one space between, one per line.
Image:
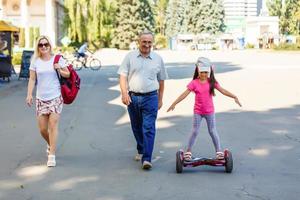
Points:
x=262 y=31
x=45 y=14
x=247 y=22
x=236 y=11
x=238 y=8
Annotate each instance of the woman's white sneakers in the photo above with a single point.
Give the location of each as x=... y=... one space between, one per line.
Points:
x=51 y=161
x=48 y=149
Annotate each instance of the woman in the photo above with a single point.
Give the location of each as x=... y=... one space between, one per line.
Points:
x=49 y=102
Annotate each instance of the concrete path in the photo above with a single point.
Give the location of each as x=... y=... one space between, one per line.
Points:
x=96 y=146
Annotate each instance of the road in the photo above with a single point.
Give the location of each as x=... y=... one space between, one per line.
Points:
x=96 y=146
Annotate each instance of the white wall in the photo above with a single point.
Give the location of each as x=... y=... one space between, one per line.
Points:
x=37 y=10
x=253 y=28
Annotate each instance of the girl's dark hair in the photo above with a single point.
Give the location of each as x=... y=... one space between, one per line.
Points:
x=212 y=80
x=196 y=74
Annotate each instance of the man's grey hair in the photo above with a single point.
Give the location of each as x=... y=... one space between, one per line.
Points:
x=146 y=32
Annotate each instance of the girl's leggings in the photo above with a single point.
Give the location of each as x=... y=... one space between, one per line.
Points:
x=211 y=125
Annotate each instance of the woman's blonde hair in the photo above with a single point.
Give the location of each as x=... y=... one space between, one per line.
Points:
x=37 y=53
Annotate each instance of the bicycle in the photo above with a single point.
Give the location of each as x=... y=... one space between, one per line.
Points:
x=87 y=62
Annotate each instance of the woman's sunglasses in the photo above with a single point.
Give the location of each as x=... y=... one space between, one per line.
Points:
x=40 y=45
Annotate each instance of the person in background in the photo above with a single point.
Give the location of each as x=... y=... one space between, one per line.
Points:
x=82 y=49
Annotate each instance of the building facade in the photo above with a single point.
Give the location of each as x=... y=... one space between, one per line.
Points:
x=247 y=22
x=234 y=8
x=47 y=15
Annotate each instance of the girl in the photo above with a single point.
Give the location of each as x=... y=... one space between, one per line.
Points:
x=49 y=101
x=203 y=85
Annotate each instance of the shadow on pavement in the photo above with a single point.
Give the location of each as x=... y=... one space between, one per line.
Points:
x=95 y=154
x=186 y=70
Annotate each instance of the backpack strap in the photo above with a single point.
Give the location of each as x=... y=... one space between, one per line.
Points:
x=56 y=60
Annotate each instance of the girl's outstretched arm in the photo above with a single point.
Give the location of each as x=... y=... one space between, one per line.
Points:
x=229 y=94
x=180 y=98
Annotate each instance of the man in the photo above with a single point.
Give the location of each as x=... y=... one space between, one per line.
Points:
x=142 y=75
x=82 y=49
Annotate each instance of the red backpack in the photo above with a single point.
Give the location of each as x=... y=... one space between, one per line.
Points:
x=69 y=86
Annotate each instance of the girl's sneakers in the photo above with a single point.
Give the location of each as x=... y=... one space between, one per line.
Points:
x=219 y=155
x=51 y=161
x=187 y=156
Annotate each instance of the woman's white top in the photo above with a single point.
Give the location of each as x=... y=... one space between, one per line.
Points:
x=48 y=86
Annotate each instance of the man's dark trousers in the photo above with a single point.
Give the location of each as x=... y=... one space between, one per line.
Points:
x=143 y=113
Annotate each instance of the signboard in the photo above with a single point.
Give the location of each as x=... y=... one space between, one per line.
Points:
x=25 y=64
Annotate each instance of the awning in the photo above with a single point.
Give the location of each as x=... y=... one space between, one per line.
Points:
x=6 y=26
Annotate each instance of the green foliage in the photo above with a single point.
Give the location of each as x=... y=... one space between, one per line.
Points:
x=174 y=17
x=160 y=41
x=133 y=16
x=64 y=49
x=215 y=47
x=31 y=37
x=204 y=16
x=288 y=46
x=17 y=58
x=160 y=15
x=22 y=38
x=249 y=46
x=288 y=12
x=298 y=40
x=36 y=34
x=90 y=20
x=194 y=16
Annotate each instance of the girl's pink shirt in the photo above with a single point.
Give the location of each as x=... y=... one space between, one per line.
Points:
x=203 y=99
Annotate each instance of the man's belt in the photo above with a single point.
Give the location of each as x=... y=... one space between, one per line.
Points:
x=143 y=94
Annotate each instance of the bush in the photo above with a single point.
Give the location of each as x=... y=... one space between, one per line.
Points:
x=17 y=58
x=68 y=49
x=298 y=40
x=287 y=46
x=215 y=47
x=249 y=46
x=160 y=41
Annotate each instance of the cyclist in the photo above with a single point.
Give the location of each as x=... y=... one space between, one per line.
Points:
x=82 y=49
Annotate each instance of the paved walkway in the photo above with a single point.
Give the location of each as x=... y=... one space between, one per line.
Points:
x=96 y=147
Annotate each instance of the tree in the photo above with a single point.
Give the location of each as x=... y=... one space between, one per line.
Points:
x=195 y=16
x=75 y=22
x=174 y=17
x=90 y=20
x=204 y=16
x=287 y=11
x=160 y=15
x=133 y=16
x=297 y=15
x=101 y=20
